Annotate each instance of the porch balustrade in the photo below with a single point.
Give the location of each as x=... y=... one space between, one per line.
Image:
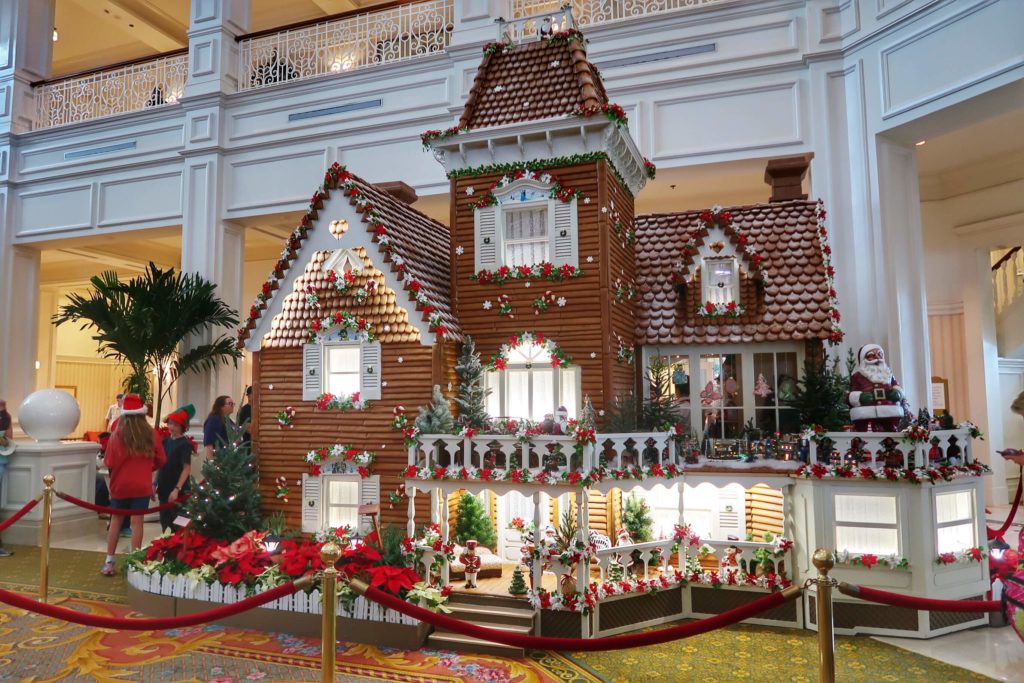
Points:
x=589 y=12
x=888 y=449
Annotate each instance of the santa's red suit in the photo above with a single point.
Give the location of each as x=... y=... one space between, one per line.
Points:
x=472 y=562
x=875 y=399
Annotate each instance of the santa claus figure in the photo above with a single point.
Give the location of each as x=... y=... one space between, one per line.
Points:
x=471 y=561
x=876 y=399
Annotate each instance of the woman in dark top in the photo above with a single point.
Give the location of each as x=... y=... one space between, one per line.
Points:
x=172 y=480
x=245 y=416
x=215 y=429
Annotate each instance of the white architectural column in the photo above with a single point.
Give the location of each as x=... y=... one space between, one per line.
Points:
x=899 y=265
x=215 y=249
x=212 y=50
x=474 y=20
x=982 y=355
x=26 y=46
x=19 y=277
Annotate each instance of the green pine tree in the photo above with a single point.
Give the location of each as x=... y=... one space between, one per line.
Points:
x=518 y=585
x=226 y=504
x=436 y=418
x=821 y=395
x=588 y=414
x=471 y=395
x=659 y=411
x=474 y=523
x=636 y=517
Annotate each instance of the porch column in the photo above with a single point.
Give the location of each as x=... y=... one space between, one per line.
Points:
x=538 y=538
x=583 y=534
x=212 y=48
x=19 y=276
x=410 y=528
x=26 y=46
x=445 y=531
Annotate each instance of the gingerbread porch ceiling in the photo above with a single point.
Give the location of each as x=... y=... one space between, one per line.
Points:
x=405 y=255
x=794 y=300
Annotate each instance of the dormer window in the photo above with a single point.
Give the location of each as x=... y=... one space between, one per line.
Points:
x=721 y=281
x=526 y=226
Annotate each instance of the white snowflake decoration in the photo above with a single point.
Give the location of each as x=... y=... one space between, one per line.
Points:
x=270 y=387
x=590 y=259
x=387 y=328
x=604 y=209
x=593 y=354
x=499 y=88
x=526 y=104
x=586 y=200
x=459 y=251
x=383 y=384
x=556 y=63
x=560 y=301
x=401 y=359
x=487 y=305
x=469 y=190
x=527 y=284
x=600 y=413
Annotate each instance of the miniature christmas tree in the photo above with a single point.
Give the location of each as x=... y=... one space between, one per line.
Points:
x=226 y=504
x=474 y=522
x=761 y=387
x=616 y=572
x=518 y=585
x=821 y=395
x=588 y=413
x=471 y=396
x=437 y=417
x=636 y=518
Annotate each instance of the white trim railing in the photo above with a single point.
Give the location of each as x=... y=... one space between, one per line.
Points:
x=109 y=92
x=658 y=553
x=881 y=449
x=371 y=38
x=593 y=12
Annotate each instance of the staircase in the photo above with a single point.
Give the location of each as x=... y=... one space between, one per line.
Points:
x=492 y=611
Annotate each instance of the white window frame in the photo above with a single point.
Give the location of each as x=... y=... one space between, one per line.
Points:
x=548 y=207
x=778 y=408
x=327 y=346
x=971 y=519
x=898 y=523
x=705 y=278
x=325 y=492
x=496 y=381
x=564 y=234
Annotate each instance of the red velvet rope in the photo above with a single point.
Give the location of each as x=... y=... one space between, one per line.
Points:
x=154 y=624
x=911 y=602
x=998 y=533
x=114 y=511
x=19 y=514
x=622 y=642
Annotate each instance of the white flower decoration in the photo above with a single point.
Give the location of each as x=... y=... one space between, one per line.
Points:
x=560 y=301
x=401 y=359
x=459 y=251
x=270 y=387
x=593 y=354
x=600 y=413
x=383 y=384
x=469 y=190
x=527 y=284
x=717 y=208
x=487 y=305
x=590 y=259
x=604 y=209
x=556 y=63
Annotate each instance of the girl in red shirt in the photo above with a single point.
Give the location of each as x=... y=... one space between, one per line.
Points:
x=133 y=453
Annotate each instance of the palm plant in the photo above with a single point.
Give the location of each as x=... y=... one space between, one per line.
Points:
x=143 y=321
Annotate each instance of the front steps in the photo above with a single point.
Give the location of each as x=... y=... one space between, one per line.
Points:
x=491 y=611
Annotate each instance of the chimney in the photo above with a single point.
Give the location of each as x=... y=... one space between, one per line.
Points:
x=399 y=191
x=786 y=176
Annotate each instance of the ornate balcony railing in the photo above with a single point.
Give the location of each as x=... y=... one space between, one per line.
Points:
x=593 y=12
x=370 y=38
x=114 y=90
x=889 y=449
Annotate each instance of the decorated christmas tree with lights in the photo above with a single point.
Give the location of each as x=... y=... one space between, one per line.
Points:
x=226 y=504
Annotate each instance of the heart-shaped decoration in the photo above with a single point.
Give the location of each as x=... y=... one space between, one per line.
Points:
x=717 y=247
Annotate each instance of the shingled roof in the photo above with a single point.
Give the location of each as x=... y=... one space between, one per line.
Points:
x=796 y=300
x=541 y=79
x=416 y=247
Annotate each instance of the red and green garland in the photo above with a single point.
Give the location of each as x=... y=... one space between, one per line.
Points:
x=559 y=358
x=558 y=191
x=540 y=165
x=349 y=455
x=328 y=401
x=429 y=136
x=720 y=310
x=836 y=336
x=917 y=475
x=538 y=271
x=543 y=477
x=340 y=320
x=609 y=110
x=716 y=216
x=348 y=285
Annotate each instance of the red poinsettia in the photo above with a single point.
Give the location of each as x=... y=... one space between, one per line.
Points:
x=868 y=560
x=392 y=579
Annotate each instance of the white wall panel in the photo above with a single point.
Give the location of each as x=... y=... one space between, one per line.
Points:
x=949 y=358
x=840 y=21
x=53 y=209
x=749 y=118
x=269 y=181
x=933 y=62
x=139 y=200
x=111 y=148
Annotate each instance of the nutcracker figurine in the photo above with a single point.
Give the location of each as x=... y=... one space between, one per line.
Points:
x=471 y=561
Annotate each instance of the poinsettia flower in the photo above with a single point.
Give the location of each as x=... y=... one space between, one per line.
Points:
x=393 y=579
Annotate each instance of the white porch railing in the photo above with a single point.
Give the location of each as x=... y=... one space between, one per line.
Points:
x=652 y=553
x=592 y=12
x=881 y=449
x=132 y=87
x=370 y=38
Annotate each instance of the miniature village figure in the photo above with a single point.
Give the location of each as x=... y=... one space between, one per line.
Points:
x=471 y=560
x=875 y=396
x=731 y=562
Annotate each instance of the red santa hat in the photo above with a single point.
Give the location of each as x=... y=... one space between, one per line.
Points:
x=470 y=544
x=133 y=405
x=182 y=415
x=864 y=351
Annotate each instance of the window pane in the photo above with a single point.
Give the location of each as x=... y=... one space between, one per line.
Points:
x=343 y=516
x=569 y=396
x=789 y=421
x=786 y=369
x=517 y=402
x=866 y=509
x=343 y=384
x=859 y=540
x=492 y=381
x=343 y=359
x=342 y=492
x=543 y=394
x=764 y=379
x=526 y=236
x=953 y=538
x=950 y=507
x=721 y=275
x=529 y=354
x=765 y=421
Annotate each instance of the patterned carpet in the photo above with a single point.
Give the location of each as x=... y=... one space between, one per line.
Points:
x=37 y=649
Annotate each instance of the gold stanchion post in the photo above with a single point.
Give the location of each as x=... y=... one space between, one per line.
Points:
x=44 y=549
x=329 y=555
x=824 y=560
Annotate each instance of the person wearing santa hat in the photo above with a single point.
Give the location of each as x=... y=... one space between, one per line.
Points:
x=876 y=399
x=133 y=453
x=172 y=480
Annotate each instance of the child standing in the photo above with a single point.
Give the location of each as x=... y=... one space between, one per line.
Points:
x=133 y=454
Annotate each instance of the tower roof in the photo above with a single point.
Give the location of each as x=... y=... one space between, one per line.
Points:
x=541 y=79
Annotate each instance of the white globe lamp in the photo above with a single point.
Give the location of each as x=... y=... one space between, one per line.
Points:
x=49 y=415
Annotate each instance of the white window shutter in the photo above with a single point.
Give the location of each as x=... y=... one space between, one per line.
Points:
x=369 y=377
x=311 y=504
x=369 y=493
x=487 y=247
x=732 y=514
x=564 y=236
x=312 y=371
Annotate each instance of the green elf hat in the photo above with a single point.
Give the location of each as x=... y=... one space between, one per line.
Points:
x=182 y=415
